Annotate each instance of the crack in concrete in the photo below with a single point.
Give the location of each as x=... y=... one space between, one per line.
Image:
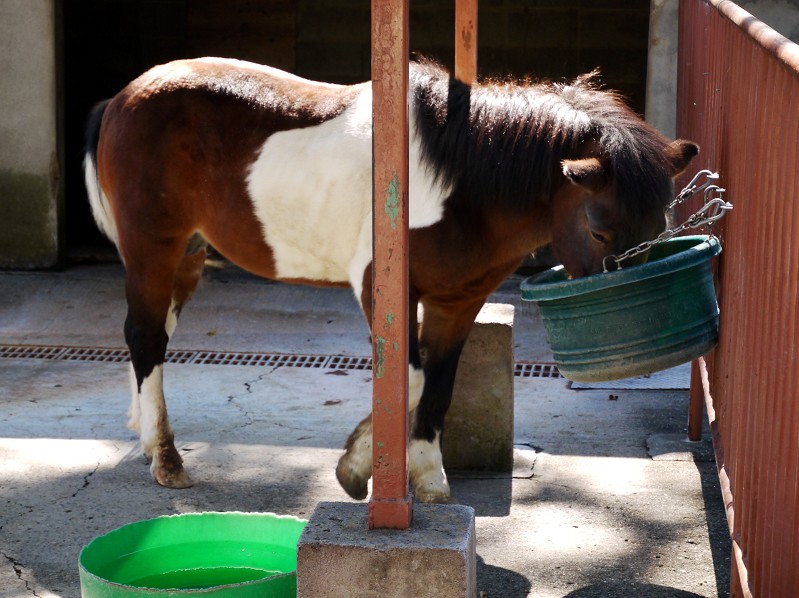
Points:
x=287 y=427
x=19 y=569
x=248 y=386
x=86 y=480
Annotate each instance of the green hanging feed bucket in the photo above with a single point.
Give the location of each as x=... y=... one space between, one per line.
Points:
x=633 y=321
x=220 y=555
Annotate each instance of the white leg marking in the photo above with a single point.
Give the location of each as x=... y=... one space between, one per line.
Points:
x=355 y=466
x=427 y=470
x=157 y=443
x=153 y=420
x=362 y=449
x=134 y=412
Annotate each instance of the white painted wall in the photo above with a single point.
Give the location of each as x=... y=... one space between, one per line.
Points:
x=29 y=169
x=28 y=91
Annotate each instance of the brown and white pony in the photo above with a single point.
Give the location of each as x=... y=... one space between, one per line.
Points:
x=274 y=172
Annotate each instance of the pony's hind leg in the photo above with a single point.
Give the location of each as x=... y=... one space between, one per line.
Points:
x=156 y=292
x=188 y=274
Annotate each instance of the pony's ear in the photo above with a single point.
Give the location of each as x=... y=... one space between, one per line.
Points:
x=588 y=173
x=680 y=153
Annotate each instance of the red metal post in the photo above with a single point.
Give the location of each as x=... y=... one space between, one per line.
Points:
x=390 y=505
x=466 y=40
x=696 y=403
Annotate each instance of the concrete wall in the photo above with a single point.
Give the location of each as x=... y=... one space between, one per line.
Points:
x=29 y=166
x=661 y=80
x=661 y=72
x=780 y=15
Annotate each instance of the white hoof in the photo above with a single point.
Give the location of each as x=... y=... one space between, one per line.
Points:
x=355 y=465
x=427 y=471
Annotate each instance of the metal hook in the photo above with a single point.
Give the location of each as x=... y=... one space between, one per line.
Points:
x=605 y=265
x=713 y=189
x=713 y=210
x=692 y=188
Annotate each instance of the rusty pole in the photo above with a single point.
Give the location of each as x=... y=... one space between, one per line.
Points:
x=390 y=505
x=466 y=40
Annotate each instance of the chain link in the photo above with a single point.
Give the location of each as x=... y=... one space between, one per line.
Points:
x=713 y=208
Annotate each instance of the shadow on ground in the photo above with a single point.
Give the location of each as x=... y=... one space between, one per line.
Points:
x=629 y=590
x=514 y=585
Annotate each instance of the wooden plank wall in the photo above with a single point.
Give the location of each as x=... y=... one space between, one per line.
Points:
x=738 y=96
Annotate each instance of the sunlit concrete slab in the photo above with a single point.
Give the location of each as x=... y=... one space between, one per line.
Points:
x=585 y=512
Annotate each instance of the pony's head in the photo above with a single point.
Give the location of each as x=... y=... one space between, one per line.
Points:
x=611 y=202
x=574 y=151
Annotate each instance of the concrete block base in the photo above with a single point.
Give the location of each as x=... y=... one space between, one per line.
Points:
x=479 y=424
x=338 y=556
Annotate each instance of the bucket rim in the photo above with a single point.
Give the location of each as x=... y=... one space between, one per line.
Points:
x=551 y=286
x=97 y=541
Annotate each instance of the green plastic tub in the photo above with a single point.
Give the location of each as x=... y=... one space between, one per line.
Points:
x=224 y=555
x=634 y=321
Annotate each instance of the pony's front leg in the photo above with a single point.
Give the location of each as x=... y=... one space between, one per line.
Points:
x=444 y=331
x=427 y=474
x=355 y=465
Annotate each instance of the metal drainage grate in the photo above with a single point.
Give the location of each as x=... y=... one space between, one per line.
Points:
x=522 y=369
x=528 y=369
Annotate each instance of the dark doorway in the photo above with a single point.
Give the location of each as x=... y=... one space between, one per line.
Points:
x=108 y=43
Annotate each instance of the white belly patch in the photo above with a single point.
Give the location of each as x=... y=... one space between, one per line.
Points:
x=311 y=189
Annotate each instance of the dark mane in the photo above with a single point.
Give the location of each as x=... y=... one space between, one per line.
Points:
x=504 y=141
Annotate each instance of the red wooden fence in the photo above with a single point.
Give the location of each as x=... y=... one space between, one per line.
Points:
x=738 y=91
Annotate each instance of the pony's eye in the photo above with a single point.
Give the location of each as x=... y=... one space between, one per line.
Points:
x=600 y=237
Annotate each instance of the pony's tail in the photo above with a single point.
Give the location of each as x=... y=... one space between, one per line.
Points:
x=97 y=197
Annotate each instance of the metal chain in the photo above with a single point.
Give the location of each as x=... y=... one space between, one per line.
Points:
x=713 y=208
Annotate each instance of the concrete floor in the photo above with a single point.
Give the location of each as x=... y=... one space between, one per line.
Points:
x=606 y=499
